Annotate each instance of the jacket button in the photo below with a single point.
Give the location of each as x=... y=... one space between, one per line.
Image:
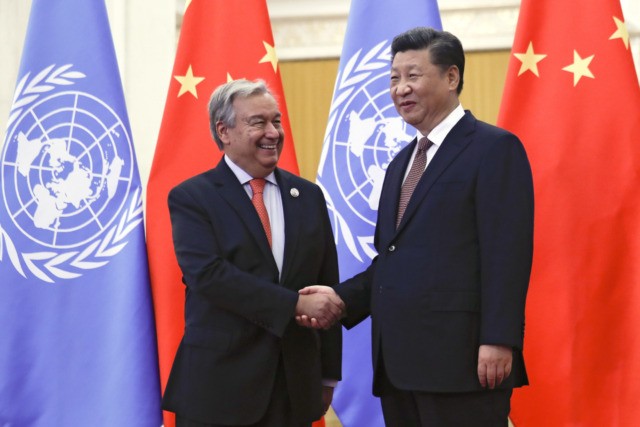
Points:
x=392 y=248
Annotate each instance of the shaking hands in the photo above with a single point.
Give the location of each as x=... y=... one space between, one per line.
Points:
x=318 y=307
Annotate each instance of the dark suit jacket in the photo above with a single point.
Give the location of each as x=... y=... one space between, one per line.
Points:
x=239 y=315
x=454 y=275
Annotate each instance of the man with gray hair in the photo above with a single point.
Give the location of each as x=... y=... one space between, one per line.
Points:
x=248 y=235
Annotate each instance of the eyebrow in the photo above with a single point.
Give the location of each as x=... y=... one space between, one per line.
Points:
x=262 y=116
x=410 y=67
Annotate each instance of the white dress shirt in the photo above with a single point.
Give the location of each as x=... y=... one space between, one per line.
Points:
x=437 y=136
x=273 y=202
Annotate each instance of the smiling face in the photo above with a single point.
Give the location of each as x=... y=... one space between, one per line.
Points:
x=422 y=92
x=255 y=142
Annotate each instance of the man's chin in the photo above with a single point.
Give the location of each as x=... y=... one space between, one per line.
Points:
x=270 y=164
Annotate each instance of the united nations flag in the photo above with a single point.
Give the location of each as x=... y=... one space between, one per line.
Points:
x=77 y=346
x=363 y=134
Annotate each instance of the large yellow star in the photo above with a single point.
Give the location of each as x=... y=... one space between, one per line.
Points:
x=189 y=83
x=621 y=32
x=270 y=56
x=529 y=60
x=579 y=68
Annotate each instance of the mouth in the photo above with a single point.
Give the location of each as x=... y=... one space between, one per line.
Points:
x=268 y=146
x=406 y=104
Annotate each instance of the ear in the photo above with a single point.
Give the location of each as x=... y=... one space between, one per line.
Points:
x=453 y=74
x=223 y=132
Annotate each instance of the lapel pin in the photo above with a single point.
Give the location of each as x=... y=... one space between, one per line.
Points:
x=294 y=192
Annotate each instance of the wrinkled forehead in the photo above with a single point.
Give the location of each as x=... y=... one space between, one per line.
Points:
x=409 y=59
x=261 y=105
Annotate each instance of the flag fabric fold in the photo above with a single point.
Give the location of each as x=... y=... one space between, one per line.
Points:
x=78 y=345
x=364 y=133
x=572 y=96
x=215 y=46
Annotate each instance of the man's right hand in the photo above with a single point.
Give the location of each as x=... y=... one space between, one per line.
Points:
x=318 y=307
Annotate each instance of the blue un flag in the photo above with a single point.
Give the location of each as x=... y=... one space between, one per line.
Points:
x=77 y=346
x=363 y=134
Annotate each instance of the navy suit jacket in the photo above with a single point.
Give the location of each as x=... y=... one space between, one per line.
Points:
x=239 y=314
x=455 y=273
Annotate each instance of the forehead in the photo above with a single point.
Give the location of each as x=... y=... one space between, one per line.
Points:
x=262 y=104
x=411 y=59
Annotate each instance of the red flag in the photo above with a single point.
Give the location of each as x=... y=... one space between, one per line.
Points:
x=572 y=96
x=219 y=41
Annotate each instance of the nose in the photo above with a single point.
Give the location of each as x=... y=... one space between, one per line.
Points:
x=272 y=131
x=402 y=87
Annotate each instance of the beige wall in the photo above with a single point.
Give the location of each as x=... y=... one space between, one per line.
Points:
x=308 y=87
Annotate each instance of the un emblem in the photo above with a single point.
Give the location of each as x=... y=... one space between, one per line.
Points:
x=67 y=175
x=363 y=135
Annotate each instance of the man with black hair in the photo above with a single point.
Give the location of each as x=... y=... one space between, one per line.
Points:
x=446 y=292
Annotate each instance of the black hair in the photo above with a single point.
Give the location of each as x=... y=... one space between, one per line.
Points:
x=445 y=49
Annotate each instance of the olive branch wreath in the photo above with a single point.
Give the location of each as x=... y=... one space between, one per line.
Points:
x=46 y=80
x=64 y=265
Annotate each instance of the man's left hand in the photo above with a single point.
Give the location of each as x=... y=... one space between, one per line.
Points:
x=494 y=365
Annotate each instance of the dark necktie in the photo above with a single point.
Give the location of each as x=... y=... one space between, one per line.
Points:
x=257 y=186
x=416 y=171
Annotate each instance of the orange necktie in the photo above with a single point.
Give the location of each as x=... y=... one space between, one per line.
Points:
x=257 y=186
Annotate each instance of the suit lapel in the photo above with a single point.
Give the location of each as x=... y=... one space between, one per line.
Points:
x=235 y=195
x=292 y=217
x=455 y=142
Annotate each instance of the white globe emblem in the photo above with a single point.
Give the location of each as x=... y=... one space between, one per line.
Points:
x=367 y=135
x=66 y=169
x=70 y=198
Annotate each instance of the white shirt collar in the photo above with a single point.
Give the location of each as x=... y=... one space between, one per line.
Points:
x=243 y=176
x=442 y=129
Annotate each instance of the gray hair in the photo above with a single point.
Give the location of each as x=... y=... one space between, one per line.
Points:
x=221 y=102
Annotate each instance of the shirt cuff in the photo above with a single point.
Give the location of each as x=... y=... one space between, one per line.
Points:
x=329 y=383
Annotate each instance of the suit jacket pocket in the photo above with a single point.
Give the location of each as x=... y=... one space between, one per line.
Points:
x=454 y=301
x=207 y=338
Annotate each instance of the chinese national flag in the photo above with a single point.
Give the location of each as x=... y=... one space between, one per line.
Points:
x=219 y=41
x=572 y=96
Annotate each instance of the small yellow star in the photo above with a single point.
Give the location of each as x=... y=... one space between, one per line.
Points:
x=270 y=56
x=579 y=68
x=621 y=32
x=529 y=60
x=186 y=5
x=189 y=83
x=229 y=78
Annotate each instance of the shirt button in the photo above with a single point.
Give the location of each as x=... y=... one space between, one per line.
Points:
x=392 y=248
